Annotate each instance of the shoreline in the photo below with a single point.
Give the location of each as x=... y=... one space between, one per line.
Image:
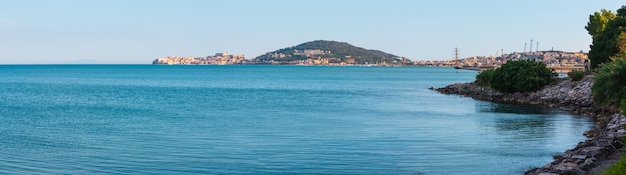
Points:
x=604 y=142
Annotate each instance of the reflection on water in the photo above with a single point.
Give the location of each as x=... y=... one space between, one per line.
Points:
x=529 y=122
x=515 y=124
x=513 y=108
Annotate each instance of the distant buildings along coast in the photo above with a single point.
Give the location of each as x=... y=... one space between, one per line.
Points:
x=315 y=57
x=218 y=59
x=334 y=53
x=559 y=60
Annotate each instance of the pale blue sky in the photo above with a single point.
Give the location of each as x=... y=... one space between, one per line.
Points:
x=139 y=31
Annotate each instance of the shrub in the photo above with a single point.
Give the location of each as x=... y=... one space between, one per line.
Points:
x=521 y=76
x=484 y=77
x=609 y=84
x=624 y=106
x=576 y=75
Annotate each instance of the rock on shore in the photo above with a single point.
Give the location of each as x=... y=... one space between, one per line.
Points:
x=605 y=139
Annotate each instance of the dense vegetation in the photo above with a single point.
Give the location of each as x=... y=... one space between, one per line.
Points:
x=609 y=87
x=608 y=53
x=338 y=50
x=517 y=76
x=484 y=77
x=608 y=31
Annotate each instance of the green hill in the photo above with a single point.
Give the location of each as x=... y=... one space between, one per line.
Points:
x=329 y=52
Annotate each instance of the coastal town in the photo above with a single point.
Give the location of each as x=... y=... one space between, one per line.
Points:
x=561 y=61
x=551 y=58
x=218 y=59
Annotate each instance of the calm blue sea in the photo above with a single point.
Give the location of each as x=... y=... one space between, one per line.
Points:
x=159 y=119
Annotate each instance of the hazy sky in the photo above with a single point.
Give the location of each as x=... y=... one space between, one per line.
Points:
x=139 y=31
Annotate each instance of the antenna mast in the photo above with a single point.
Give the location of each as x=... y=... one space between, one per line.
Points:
x=456 y=56
x=537 y=50
x=531 y=46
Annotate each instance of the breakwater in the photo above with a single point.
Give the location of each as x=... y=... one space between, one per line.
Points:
x=588 y=157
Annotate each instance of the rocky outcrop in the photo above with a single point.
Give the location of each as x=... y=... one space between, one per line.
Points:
x=605 y=139
x=575 y=95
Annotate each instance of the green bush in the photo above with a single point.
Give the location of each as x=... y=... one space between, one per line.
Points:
x=521 y=76
x=576 y=75
x=484 y=77
x=609 y=84
x=624 y=105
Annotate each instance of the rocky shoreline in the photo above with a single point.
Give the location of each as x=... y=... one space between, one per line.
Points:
x=589 y=157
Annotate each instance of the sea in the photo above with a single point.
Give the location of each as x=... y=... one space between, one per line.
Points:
x=252 y=119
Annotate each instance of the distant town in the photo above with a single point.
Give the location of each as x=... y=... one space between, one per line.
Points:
x=559 y=60
x=332 y=53
x=218 y=59
x=556 y=59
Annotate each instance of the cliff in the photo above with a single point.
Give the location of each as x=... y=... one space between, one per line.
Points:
x=605 y=141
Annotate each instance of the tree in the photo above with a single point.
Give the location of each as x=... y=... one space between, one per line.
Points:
x=622 y=11
x=598 y=21
x=606 y=45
